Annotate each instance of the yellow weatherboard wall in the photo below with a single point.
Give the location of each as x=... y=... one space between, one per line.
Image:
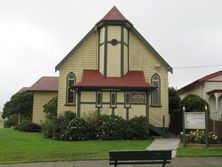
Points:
x=142 y=59
x=39 y=100
x=84 y=58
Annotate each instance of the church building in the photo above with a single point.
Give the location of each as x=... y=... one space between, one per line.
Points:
x=112 y=70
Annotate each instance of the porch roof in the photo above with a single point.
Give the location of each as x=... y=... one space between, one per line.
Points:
x=214 y=91
x=93 y=79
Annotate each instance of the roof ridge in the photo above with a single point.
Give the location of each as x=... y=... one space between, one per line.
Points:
x=114 y=14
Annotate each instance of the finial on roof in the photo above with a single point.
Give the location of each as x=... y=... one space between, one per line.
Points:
x=114 y=14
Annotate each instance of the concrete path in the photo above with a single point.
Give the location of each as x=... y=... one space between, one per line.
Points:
x=165 y=144
x=176 y=162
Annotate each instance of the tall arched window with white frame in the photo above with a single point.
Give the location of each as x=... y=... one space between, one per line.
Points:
x=155 y=95
x=70 y=93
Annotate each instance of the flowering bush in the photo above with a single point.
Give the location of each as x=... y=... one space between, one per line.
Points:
x=95 y=126
x=28 y=126
x=198 y=136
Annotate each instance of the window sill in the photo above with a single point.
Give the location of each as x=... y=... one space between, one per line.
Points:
x=69 y=104
x=153 y=106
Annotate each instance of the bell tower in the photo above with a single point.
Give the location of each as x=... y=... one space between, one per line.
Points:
x=113 y=44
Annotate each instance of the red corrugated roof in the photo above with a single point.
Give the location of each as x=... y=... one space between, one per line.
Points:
x=114 y=14
x=203 y=79
x=93 y=78
x=214 y=91
x=24 y=89
x=45 y=84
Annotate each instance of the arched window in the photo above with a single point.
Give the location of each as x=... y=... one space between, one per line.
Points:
x=155 y=95
x=70 y=93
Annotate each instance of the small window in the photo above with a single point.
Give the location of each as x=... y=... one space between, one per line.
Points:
x=127 y=100
x=71 y=94
x=155 y=95
x=99 y=99
x=113 y=99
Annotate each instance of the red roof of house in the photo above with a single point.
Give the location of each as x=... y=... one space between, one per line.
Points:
x=45 y=84
x=24 y=89
x=93 y=78
x=114 y=14
x=214 y=91
x=203 y=79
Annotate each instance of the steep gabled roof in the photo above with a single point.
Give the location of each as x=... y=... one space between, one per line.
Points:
x=115 y=15
x=203 y=79
x=45 y=84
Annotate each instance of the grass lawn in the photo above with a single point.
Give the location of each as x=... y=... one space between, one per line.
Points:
x=199 y=152
x=17 y=147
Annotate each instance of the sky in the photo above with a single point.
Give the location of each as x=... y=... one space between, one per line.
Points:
x=35 y=35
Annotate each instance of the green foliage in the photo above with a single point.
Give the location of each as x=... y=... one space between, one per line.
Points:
x=194 y=103
x=174 y=100
x=20 y=103
x=28 y=126
x=110 y=127
x=50 y=108
x=55 y=127
x=68 y=127
x=12 y=120
x=138 y=128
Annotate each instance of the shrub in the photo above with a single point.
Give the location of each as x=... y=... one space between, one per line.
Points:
x=28 y=126
x=110 y=127
x=137 y=128
x=77 y=129
x=50 y=108
x=174 y=100
x=56 y=127
x=194 y=103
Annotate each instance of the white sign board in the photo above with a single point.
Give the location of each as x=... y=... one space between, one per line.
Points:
x=194 y=120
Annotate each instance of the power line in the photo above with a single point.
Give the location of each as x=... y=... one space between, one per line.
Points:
x=207 y=66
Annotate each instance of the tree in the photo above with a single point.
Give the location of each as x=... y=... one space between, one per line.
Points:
x=174 y=100
x=20 y=105
x=194 y=103
x=50 y=108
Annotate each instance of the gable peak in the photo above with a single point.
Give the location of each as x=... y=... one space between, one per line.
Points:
x=114 y=14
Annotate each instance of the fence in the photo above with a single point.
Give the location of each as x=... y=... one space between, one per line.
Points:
x=216 y=128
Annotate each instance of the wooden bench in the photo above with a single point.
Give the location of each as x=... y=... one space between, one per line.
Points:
x=140 y=157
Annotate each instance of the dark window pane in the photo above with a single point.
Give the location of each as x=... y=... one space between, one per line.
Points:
x=70 y=96
x=113 y=99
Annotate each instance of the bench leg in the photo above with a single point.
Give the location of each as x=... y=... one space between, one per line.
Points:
x=164 y=164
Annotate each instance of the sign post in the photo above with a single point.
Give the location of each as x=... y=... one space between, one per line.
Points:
x=206 y=127
x=184 y=132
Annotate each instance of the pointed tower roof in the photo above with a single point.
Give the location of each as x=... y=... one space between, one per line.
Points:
x=114 y=14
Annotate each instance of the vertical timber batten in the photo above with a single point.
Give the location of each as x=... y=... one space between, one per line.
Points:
x=78 y=104
x=105 y=52
x=147 y=109
x=127 y=113
x=122 y=52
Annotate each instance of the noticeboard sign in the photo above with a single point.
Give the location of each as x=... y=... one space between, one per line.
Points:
x=195 y=120
x=138 y=97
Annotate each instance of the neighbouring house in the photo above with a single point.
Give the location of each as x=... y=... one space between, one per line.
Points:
x=112 y=70
x=209 y=88
x=1 y=121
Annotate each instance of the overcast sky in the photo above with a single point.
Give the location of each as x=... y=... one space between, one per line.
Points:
x=36 y=34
